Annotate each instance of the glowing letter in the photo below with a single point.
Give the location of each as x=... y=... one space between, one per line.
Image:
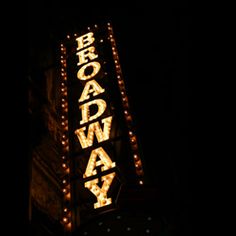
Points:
x=94 y=128
x=101 y=104
x=81 y=73
x=95 y=89
x=86 y=53
x=104 y=160
x=101 y=193
x=85 y=40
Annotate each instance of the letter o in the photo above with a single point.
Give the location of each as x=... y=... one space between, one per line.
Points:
x=81 y=73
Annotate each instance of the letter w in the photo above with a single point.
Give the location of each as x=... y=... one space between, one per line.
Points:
x=94 y=128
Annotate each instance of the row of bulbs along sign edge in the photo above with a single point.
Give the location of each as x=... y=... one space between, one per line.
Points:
x=91 y=126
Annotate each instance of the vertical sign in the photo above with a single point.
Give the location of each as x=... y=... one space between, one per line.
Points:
x=100 y=150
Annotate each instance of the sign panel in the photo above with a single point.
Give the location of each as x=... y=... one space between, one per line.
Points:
x=100 y=149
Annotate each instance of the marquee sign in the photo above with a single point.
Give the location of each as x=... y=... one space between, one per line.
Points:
x=100 y=150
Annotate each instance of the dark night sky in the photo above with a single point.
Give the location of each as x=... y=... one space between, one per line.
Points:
x=153 y=44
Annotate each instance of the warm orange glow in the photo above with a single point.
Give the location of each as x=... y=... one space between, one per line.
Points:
x=67 y=196
x=133 y=140
x=91 y=87
x=64 y=190
x=101 y=193
x=64 y=165
x=101 y=104
x=88 y=71
x=104 y=160
x=68 y=226
x=85 y=54
x=64 y=140
x=85 y=40
x=94 y=128
x=81 y=73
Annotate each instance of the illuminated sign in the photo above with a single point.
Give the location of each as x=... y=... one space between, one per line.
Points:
x=99 y=145
x=99 y=157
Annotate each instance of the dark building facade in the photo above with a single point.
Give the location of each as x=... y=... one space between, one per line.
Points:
x=47 y=171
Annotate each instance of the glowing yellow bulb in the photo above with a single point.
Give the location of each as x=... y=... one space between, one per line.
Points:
x=68 y=196
x=91 y=87
x=64 y=190
x=86 y=53
x=64 y=123
x=101 y=104
x=64 y=165
x=81 y=73
x=94 y=128
x=101 y=193
x=104 y=160
x=85 y=40
x=133 y=140
x=65 y=220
